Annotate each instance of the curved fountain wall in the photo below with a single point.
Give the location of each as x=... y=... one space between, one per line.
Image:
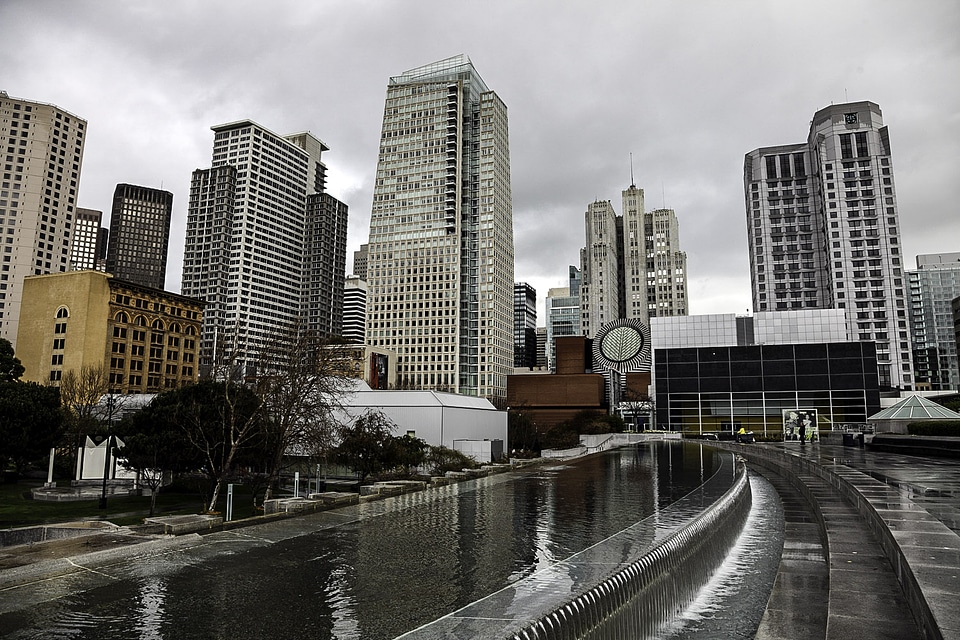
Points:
x=638 y=599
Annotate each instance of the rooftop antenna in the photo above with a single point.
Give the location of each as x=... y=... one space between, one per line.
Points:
x=663 y=196
x=632 y=183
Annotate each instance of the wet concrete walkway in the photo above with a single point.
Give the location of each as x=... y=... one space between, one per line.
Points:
x=892 y=543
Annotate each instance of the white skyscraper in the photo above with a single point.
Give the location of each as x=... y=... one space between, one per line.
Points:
x=354 y=310
x=823 y=230
x=440 y=256
x=255 y=227
x=42 y=148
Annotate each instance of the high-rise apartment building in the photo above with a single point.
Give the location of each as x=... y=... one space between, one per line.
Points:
x=632 y=265
x=354 y=310
x=824 y=232
x=260 y=234
x=41 y=146
x=524 y=325
x=88 y=242
x=325 y=260
x=933 y=285
x=440 y=258
x=360 y=262
x=139 y=235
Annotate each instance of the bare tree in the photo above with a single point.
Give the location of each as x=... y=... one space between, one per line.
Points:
x=636 y=402
x=219 y=421
x=80 y=392
x=300 y=380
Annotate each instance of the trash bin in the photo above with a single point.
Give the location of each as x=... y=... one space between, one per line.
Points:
x=848 y=440
x=860 y=439
x=746 y=438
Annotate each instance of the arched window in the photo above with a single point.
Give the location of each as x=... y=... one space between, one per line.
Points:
x=175 y=328
x=122 y=318
x=141 y=321
x=63 y=312
x=191 y=331
x=157 y=325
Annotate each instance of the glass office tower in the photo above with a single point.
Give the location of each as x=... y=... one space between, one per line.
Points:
x=440 y=252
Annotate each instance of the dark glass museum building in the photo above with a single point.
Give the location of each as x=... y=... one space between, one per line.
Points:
x=724 y=388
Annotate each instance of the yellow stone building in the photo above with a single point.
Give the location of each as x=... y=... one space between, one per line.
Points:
x=146 y=339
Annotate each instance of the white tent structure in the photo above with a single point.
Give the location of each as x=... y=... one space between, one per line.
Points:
x=911 y=409
x=438 y=418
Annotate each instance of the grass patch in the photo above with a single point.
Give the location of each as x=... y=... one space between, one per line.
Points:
x=19 y=509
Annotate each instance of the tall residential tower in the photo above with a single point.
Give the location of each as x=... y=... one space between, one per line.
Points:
x=42 y=148
x=823 y=230
x=263 y=239
x=440 y=255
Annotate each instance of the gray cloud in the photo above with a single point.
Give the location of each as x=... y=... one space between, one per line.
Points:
x=687 y=88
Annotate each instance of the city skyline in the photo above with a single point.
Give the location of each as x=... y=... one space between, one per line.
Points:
x=702 y=95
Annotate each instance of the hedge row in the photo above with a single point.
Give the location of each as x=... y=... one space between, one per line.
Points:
x=935 y=428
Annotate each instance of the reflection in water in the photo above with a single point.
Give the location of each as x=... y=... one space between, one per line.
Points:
x=343 y=610
x=150 y=610
x=377 y=570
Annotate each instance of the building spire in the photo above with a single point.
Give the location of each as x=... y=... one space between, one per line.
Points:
x=632 y=183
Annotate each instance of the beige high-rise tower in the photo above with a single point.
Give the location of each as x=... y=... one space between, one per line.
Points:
x=632 y=264
x=440 y=254
x=823 y=230
x=41 y=146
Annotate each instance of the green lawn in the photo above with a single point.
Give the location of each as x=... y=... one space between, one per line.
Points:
x=18 y=509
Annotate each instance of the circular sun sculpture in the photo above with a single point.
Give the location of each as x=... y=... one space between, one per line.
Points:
x=622 y=346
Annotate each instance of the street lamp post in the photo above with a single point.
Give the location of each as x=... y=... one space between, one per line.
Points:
x=106 y=471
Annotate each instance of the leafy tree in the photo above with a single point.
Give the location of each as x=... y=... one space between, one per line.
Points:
x=365 y=445
x=153 y=446
x=408 y=453
x=595 y=422
x=10 y=367
x=442 y=459
x=951 y=402
x=31 y=422
x=561 y=436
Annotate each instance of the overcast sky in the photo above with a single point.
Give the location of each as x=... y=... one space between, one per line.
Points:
x=688 y=87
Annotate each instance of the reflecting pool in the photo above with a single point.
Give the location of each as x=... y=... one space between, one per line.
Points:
x=370 y=571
